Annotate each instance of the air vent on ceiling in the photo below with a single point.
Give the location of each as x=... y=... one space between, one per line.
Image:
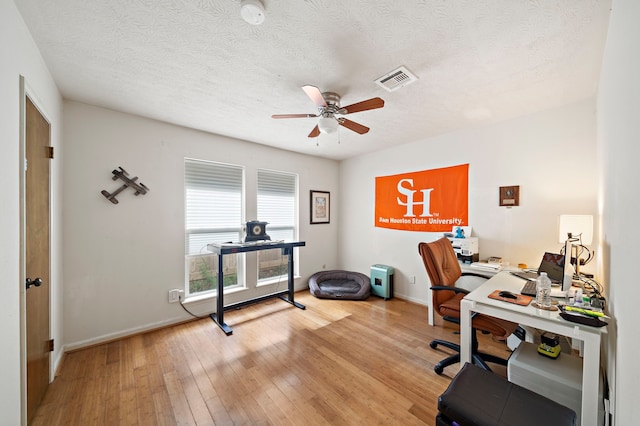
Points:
x=396 y=79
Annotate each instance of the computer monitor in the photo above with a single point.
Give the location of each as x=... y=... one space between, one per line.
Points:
x=557 y=269
x=553 y=265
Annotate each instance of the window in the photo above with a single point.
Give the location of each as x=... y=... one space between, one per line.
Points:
x=277 y=205
x=213 y=213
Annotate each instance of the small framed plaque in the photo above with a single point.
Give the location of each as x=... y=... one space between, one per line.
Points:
x=509 y=196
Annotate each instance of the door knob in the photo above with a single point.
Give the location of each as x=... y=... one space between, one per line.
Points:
x=37 y=282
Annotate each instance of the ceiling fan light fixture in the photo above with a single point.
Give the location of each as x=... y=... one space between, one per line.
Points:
x=327 y=125
x=252 y=11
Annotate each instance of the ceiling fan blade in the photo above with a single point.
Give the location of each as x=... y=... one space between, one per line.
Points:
x=316 y=95
x=315 y=132
x=294 y=116
x=352 y=125
x=372 y=103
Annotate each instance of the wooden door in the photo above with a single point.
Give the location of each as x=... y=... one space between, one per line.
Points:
x=37 y=256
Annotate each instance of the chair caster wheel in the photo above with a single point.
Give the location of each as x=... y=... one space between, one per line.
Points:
x=438 y=369
x=433 y=345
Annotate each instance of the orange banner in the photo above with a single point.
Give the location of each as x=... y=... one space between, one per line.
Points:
x=428 y=201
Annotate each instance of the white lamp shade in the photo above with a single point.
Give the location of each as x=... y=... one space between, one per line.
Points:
x=252 y=11
x=327 y=125
x=578 y=225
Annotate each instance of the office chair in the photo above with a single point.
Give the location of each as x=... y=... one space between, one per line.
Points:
x=443 y=270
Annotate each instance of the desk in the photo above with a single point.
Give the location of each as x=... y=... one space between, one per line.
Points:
x=223 y=249
x=478 y=301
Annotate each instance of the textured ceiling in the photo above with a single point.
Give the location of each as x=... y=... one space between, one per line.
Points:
x=196 y=63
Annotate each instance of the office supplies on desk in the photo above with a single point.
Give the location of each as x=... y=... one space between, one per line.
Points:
x=529 y=289
x=583 y=316
x=494 y=260
x=521 y=300
x=485 y=266
x=582 y=319
x=507 y=294
x=587 y=312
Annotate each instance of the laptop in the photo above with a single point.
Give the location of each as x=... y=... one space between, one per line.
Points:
x=552 y=264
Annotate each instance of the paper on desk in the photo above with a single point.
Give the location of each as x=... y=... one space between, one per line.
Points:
x=487 y=266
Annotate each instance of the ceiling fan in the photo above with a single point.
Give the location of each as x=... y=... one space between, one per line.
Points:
x=329 y=111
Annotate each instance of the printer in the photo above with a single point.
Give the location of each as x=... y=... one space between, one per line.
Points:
x=465 y=248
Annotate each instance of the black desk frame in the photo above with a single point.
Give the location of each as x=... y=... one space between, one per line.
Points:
x=286 y=295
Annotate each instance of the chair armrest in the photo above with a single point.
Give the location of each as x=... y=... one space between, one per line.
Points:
x=456 y=320
x=454 y=289
x=473 y=274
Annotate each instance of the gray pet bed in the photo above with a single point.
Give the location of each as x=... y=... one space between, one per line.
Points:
x=340 y=285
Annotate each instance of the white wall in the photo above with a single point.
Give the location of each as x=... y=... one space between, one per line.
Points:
x=121 y=260
x=618 y=140
x=551 y=155
x=20 y=56
x=109 y=293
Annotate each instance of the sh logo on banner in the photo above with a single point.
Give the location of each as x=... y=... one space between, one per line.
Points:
x=408 y=192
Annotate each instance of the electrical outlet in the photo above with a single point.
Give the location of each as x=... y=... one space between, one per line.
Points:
x=174 y=296
x=413 y=279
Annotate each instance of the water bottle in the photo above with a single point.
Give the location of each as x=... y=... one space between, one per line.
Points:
x=543 y=291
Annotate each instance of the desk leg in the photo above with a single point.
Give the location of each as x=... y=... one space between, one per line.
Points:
x=290 y=282
x=465 y=331
x=218 y=316
x=590 y=381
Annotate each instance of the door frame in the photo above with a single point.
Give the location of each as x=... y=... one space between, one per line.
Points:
x=26 y=91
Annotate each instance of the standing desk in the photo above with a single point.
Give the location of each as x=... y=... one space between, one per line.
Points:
x=224 y=249
x=479 y=301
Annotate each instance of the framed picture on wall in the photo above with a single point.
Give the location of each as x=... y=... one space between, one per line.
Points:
x=320 y=206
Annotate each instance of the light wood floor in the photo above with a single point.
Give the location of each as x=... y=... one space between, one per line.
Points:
x=335 y=363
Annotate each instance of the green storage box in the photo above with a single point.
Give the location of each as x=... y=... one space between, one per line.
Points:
x=382 y=281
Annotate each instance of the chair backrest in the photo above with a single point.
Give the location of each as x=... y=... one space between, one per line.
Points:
x=443 y=269
x=442 y=266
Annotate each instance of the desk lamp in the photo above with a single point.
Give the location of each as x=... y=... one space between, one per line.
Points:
x=575 y=230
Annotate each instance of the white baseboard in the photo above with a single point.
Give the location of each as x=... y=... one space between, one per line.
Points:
x=121 y=334
x=153 y=326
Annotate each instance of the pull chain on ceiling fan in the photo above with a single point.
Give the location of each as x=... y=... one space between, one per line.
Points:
x=330 y=112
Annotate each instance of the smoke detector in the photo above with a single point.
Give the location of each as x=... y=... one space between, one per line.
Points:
x=252 y=11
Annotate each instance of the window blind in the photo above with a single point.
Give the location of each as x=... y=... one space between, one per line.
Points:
x=277 y=203
x=213 y=203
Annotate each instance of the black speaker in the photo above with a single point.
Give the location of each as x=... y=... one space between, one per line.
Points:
x=256 y=231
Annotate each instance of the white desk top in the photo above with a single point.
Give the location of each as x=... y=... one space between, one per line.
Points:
x=478 y=301
x=505 y=281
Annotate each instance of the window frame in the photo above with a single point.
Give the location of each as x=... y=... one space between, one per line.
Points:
x=274 y=226
x=224 y=232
